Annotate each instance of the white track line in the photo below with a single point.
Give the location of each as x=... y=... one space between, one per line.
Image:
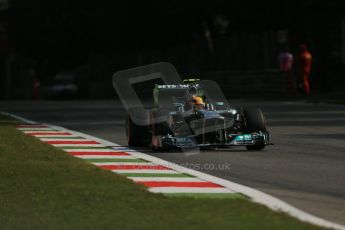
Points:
x=77 y=145
x=43 y=131
x=168 y=179
x=103 y=157
x=189 y=190
x=127 y=163
x=93 y=150
x=44 y=136
x=63 y=139
x=143 y=171
x=255 y=195
x=20 y=118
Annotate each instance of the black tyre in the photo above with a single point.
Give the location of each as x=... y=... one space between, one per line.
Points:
x=254 y=122
x=161 y=126
x=138 y=135
x=162 y=122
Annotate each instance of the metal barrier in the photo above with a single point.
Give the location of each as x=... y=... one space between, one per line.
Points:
x=259 y=84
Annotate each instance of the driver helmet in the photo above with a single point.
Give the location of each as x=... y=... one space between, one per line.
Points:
x=198 y=102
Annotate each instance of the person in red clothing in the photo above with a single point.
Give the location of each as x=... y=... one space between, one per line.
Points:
x=303 y=69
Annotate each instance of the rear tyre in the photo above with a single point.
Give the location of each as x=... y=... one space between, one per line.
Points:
x=162 y=122
x=138 y=135
x=254 y=122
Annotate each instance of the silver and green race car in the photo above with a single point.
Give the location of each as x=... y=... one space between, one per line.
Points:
x=174 y=124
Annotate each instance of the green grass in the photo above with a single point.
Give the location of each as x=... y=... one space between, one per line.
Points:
x=42 y=187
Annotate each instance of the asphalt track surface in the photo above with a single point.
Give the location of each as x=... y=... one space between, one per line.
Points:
x=305 y=167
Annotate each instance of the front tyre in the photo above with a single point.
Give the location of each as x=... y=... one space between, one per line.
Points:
x=254 y=122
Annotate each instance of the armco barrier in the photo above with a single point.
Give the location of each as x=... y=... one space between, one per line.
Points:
x=253 y=84
x=250 y=84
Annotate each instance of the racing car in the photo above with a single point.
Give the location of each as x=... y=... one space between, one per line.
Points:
x=178 y=121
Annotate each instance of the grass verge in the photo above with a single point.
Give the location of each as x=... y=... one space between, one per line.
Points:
x=42 y=187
